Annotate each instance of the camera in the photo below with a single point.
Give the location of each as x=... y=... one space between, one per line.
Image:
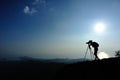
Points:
x=87 y=42
x=90 y=41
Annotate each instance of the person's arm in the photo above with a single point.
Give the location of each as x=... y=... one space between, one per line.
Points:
x=89 y=46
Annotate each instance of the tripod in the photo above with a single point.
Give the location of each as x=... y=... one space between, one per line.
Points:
x=91 y=53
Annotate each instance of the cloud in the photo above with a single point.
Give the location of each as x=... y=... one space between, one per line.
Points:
x=35 y=7
x=28 y=10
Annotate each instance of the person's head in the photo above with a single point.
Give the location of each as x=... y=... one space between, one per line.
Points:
x=89 y=42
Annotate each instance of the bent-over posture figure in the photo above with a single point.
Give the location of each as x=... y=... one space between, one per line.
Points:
x=95 y=45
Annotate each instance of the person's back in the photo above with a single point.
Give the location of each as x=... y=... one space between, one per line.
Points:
x=95 y=44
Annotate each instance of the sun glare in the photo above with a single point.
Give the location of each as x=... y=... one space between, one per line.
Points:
x=103 y=55
x=99 y=27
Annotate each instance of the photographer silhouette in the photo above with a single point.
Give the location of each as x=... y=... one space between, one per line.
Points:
x=95 y=45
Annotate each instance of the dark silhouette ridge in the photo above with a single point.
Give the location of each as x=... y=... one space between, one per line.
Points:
x=33 y=69
x=91 y=70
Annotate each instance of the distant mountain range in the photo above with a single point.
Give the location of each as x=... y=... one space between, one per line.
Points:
x=64 y=60
x=56 y=60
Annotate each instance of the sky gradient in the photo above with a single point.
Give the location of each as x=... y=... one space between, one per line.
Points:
x=57 y=28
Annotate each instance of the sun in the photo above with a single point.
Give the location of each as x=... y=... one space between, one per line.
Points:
x=99 y=27
x=103 y=55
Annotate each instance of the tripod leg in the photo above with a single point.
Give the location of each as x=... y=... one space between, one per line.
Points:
x=86 y=53
x=91 y=53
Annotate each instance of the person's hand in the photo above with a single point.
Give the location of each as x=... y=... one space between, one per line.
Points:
x=89 y=47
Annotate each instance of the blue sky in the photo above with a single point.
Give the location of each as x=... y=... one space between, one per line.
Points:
x=57 y=28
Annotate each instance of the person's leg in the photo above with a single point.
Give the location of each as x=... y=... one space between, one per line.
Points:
x=95 y=53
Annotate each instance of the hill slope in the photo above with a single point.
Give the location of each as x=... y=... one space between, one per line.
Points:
x=91 y=70
x=36 y=70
